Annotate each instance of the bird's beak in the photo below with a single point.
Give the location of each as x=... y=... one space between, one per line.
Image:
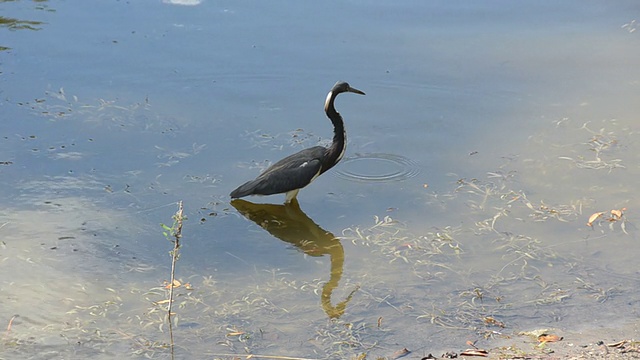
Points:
x=354 y=90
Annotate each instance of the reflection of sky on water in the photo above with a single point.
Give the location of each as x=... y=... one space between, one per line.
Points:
x=183 y=2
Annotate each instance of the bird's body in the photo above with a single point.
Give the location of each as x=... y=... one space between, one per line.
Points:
x=296 y=171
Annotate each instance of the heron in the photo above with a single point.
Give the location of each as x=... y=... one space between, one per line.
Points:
x=298 y=170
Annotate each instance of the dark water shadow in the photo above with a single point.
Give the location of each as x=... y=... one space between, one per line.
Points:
x=290 y=224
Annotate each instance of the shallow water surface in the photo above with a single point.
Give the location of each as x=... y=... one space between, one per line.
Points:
x=490 y=135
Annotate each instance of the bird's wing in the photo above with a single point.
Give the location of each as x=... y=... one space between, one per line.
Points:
x=293 y=172
x=288 y=177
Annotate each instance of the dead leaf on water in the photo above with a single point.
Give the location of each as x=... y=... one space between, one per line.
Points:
x=176 y=284
x=475 y=352
x=617 y=344
x=549 y=338
x=492 y=321
x=400 y=353
x=617 y=214
x=593 y=218
x=236 y=333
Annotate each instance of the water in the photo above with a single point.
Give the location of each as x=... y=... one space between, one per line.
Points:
x=489 y=134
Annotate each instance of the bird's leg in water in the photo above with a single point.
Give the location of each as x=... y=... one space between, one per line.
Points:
x=291 y=195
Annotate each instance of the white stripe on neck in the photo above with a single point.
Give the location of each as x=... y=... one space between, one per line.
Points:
x=326 y=102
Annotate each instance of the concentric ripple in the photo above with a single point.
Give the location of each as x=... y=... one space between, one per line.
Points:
x=376 y=167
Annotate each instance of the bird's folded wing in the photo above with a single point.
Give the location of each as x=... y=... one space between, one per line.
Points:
x=281 y=179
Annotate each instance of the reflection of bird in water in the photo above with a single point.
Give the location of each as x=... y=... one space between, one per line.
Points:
x=296 y=171
x=288 y=223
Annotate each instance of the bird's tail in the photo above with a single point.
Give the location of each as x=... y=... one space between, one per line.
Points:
x=243 y=190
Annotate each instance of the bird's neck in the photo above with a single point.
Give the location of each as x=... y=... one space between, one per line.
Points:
x=339 y=145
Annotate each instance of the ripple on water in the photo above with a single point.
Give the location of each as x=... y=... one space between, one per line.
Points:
x=377 y=167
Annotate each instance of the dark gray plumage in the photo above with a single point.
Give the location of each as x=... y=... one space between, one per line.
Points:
x=296 y=171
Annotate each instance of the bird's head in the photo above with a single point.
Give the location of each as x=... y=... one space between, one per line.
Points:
x=338 y=88
x=342 y=86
